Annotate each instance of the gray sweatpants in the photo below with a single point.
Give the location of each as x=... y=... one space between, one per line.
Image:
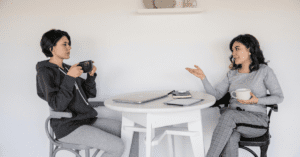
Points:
x=226 y=136
x=104 y=134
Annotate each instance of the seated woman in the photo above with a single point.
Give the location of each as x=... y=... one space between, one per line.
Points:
x=60 y=85
x=248 y=70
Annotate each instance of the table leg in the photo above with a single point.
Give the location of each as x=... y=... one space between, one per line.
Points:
x=126 y=136
x=149 y=135
x=170 y=143
x=197 y=141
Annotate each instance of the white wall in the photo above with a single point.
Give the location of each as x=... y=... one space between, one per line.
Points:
x=135 y=52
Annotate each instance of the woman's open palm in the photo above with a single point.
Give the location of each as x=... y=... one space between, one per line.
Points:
x=197 y=72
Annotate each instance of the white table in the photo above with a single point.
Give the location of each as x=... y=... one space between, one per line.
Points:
x=156 y=114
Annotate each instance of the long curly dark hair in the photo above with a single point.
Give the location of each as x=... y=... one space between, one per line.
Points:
x=256 y=56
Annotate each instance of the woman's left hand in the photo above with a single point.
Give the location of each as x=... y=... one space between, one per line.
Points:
x=253 y=100
x=93 y=70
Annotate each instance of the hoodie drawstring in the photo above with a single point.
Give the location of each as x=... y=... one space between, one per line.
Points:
x=76 y=86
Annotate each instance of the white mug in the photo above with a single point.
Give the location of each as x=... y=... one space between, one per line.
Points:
x=242 y=94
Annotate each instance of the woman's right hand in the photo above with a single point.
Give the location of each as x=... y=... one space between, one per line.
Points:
x=75 y=71
x=197 y=72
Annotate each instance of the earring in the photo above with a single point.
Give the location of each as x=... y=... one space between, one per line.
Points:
x=249 y=53
x=243 y=57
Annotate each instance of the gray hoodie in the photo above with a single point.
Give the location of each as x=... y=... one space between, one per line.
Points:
x=61 y=93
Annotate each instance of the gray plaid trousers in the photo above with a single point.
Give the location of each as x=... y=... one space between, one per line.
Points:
x=226 y=136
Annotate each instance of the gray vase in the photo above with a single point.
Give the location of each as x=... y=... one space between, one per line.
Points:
x=164 y=3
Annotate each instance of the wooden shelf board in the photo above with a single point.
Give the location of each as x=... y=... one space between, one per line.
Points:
x=169 y=10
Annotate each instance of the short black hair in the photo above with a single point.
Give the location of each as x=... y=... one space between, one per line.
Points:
x=257 y=57
x=50 y=38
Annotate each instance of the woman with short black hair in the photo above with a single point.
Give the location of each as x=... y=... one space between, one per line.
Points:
x=50 y=39
x=249 y=70
x=62 y=87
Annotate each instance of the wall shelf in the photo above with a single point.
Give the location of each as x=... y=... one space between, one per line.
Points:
x=169 y=10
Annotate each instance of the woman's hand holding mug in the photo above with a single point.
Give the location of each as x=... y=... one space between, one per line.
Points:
x=197 y=72
x=75 y=71
x=243 y=96
x=253 y=100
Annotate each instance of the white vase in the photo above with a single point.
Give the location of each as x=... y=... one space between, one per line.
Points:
x=179 y=4
x=190 y=3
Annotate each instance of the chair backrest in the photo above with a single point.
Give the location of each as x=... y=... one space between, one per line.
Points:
x=49 y=132
x=48 y=129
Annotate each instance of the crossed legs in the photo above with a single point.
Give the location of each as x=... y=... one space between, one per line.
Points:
x=226 y=136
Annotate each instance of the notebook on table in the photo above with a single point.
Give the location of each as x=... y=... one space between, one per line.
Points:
x=141 y=98
x=183 y=102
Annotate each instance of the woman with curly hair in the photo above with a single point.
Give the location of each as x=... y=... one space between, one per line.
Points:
x=248 y=70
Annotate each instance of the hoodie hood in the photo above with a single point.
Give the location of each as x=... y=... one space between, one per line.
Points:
x=46 y=63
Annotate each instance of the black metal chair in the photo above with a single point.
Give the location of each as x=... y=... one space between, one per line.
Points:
x=262 y=141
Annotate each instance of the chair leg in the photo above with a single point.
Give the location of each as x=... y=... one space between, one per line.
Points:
x=76 y=152
x=51 y=150
x=249 y=150
x=87 y=153
x=263 y=150
x=51 y=144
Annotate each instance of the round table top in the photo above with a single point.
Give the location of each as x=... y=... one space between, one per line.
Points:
x=158 y=106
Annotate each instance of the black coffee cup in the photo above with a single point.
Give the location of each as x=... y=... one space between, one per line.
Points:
x=87 y=66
